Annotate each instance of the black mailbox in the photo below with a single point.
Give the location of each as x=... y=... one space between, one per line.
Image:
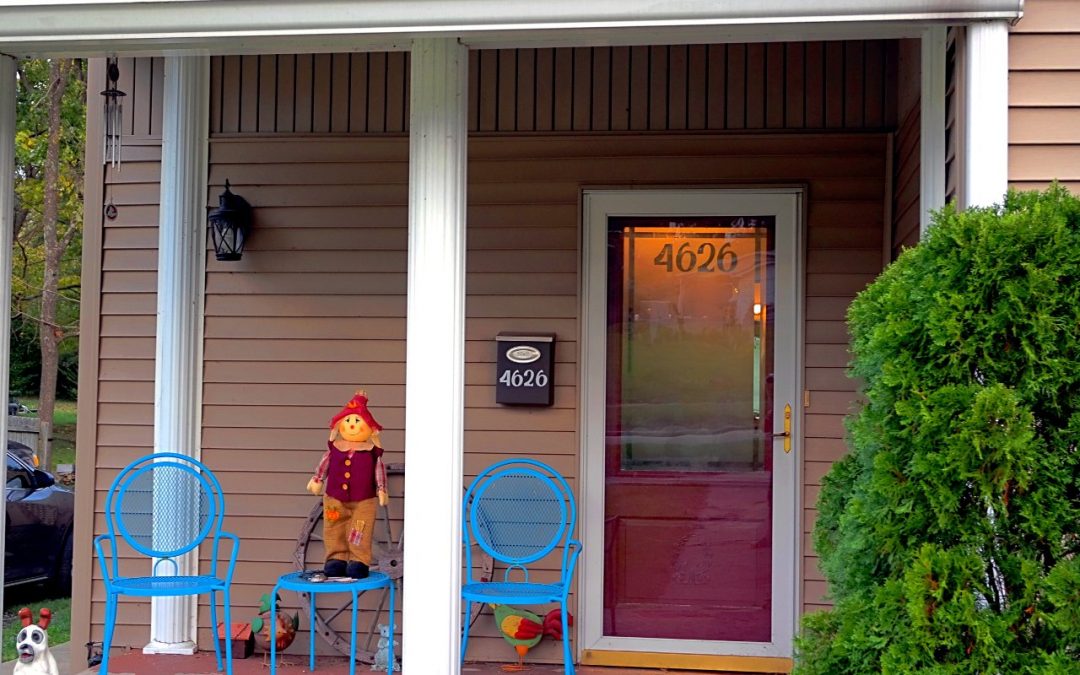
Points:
x=525 y=369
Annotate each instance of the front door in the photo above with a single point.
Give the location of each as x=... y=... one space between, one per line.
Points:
x=692 y=328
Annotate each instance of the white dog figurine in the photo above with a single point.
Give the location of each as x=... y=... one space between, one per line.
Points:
x=32 y=645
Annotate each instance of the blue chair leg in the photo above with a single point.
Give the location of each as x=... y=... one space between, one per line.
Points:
x=213 y=627
x=352 y=633
x=227 y=611
x=311 y=635
x=110 y=623
x=390 y=643
x=465 y=630
x=271 y=631
x=568 y=662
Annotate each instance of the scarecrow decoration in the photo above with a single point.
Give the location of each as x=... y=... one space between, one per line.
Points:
x=352 y=480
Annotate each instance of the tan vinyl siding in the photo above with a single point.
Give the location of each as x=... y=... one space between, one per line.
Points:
x=279 y=354
x=125 y=387
x=317 y=305
x=906 y=149
x=1044 y=95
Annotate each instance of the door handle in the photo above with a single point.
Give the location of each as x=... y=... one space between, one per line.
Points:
x=786 y=434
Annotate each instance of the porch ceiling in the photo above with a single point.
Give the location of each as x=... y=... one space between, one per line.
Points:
x=94 y=27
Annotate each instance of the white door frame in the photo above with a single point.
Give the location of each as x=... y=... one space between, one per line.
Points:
x=786 y=205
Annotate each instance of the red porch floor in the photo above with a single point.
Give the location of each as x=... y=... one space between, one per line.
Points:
x=137 y=663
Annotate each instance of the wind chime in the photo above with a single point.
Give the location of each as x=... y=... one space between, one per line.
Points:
x=114 y=116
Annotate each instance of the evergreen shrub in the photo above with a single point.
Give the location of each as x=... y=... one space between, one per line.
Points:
x=949 y=534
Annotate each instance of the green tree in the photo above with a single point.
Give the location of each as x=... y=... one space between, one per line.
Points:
x=50 y=137
x=949 y=535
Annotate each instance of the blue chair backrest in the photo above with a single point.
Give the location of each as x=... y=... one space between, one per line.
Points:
x=518 y=511
x=164 y=505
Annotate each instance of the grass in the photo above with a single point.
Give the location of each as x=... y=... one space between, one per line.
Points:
x=64 y=424
x=59 y=628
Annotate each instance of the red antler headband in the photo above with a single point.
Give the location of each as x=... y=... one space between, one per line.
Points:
x=357 y=405
x=26 y=616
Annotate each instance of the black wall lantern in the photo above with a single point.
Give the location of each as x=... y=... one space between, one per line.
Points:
x=230 y=223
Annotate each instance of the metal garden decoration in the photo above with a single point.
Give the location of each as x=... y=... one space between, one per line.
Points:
x=113 y=139
x=229 y=225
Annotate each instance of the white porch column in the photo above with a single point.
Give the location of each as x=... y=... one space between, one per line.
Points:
x=7 y=225
x=435 y=356
x=932 y=125
x=181 y=259
x=986 y=113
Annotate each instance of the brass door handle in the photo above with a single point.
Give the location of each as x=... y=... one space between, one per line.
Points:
x=786 y=434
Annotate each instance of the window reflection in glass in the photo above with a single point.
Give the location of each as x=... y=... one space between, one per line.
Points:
x=689 y=385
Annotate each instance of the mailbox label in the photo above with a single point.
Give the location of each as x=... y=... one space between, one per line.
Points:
x=523 y=354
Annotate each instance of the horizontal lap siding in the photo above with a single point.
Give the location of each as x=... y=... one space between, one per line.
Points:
x=126 y=347
x=317 y=305
x=1044 y=95
x=845 y=229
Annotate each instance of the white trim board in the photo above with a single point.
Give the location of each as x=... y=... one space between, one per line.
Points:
x=228 y=26
x=597 y=206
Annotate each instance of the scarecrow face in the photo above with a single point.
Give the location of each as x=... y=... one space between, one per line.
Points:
x=354 y=428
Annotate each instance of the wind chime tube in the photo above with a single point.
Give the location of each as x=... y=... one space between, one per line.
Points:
x=119 y=132
x=113 y=122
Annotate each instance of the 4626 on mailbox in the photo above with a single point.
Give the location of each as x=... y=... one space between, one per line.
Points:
x=523 y=378
x=524 y=367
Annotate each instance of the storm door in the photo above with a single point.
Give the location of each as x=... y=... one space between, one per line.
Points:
x=692 y=328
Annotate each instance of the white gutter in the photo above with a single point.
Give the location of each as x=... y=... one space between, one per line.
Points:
x=129 y=25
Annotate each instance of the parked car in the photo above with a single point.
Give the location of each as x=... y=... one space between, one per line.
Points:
x=23 y=452
x=40 y=516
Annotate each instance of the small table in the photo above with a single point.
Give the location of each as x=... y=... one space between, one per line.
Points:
x=295 y=581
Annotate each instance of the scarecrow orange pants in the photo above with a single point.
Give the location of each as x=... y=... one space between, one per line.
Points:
x=347 y=529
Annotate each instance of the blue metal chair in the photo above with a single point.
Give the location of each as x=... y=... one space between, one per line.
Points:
x=162 y=506
x=518 y=511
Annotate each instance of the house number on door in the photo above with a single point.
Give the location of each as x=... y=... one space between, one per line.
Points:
x=686 y=258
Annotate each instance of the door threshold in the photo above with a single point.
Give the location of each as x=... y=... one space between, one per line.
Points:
x=710 y=662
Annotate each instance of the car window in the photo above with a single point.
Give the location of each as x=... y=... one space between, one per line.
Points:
x=17 y=475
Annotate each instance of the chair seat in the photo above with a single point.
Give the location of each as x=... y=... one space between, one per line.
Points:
x=167 y=585
x=513 y=592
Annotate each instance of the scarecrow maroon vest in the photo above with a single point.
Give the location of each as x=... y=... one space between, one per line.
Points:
x=350 y=477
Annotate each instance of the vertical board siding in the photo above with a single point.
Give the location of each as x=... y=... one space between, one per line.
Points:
x=660 y=88
x=1044 y=95
x=906 y=153
x=954 y=114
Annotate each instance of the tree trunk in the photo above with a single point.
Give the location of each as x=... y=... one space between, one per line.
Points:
x=50 y=333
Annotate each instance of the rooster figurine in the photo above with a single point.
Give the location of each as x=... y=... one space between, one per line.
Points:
x=285 y=631
x=524 y=630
